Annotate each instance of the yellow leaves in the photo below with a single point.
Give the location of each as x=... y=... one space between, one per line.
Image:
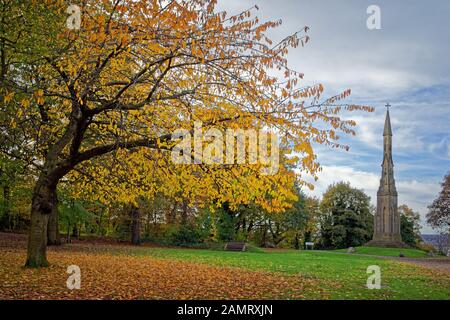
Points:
x=8 y=97
x=320 y=88
x=194 y=50
x=353 y=107
x=225 y=62
x=113 y=273
x=97 y=37
x=333 y=134
x=39 y=95
x=25 y=103
x=305 y=147
x=156 y=48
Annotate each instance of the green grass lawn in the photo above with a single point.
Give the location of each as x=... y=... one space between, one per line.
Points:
x=340 y=276
x=390 y=252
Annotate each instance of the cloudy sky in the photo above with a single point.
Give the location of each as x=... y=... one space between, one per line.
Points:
x=406 y=62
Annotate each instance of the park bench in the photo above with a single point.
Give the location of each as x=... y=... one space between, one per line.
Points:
x=309 y=245
x=235 y=246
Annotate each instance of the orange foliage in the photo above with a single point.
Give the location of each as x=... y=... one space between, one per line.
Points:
x=108 y=275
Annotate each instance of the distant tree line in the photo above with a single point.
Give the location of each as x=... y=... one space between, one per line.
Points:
x=342 y=218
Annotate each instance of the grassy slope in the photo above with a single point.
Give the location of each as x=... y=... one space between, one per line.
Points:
x=389 y=252
x=342 y=276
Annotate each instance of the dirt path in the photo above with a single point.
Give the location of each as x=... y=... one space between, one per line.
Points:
x=439 y=264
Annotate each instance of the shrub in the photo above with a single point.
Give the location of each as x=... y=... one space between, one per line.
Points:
x=184 y=235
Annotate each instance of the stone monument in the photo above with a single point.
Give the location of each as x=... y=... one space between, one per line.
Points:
x=387 y=219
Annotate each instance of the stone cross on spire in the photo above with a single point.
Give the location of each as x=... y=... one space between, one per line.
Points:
x=387 y=219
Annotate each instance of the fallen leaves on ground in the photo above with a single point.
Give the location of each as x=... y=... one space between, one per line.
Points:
x=112 y=276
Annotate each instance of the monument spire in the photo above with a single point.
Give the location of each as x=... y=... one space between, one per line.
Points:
x=387 y=219
x=387 y=123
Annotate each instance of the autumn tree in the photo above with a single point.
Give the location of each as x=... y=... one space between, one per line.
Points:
x=410 y=225
x=438 y=215
x=138 y=70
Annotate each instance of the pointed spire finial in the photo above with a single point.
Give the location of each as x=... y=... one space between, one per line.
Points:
x=387 y=124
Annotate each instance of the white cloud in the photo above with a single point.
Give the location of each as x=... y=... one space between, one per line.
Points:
x=441 y=149
x=330 y=174
x=406 y=138
x=402 y=63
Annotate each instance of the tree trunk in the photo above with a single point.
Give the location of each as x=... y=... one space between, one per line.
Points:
x=263 y=244
x=68 y=234
x=53 y=223
x=135 y=226
x=75 y=231
x=41 y=208
x=250 y=227
x=171 y=214
x=184 y=212
x=55 y=167
x=7 y=205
